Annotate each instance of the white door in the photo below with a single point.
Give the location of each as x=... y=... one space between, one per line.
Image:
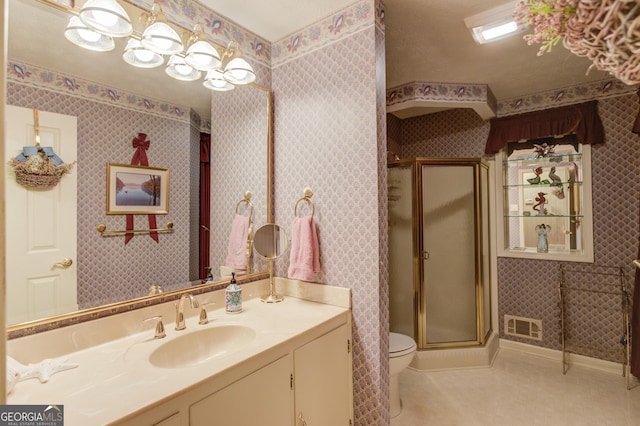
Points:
x=41 y=224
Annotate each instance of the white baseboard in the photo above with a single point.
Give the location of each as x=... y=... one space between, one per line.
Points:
x=556 y=355
x=457 y=358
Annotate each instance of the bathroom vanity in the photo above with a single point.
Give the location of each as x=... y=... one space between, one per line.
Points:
x=272 y=364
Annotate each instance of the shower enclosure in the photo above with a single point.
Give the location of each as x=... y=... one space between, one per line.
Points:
x=439 y=264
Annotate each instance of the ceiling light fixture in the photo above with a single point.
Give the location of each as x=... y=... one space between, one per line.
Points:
x=106 y=17
x=78 y=33
x=137 y=55
x=493 y=24
x=158 y=36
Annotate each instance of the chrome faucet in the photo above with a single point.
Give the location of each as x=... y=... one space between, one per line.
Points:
x=180 y=325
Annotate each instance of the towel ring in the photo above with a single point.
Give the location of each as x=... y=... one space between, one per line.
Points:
x=308 y=193
x=247 y=200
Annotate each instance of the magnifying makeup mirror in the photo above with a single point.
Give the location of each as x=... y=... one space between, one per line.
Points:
x=270 y=241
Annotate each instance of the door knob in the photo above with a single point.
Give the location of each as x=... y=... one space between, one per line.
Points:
x=66 y=262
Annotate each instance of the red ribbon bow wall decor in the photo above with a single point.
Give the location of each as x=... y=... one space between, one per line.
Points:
x=141 y=144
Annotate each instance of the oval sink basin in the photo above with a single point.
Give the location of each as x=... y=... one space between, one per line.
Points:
x=199 y=346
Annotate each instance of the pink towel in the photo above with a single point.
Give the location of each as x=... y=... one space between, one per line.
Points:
x=236 y=250
x=305 y=250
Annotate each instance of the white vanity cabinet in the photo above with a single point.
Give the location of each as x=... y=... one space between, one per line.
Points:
x=261 y=398
x=298 y=361
x=312 y=385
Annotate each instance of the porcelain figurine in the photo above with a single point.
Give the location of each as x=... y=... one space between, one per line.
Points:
x=542 y=230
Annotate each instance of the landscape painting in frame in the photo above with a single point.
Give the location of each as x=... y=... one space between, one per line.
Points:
x=137 y=189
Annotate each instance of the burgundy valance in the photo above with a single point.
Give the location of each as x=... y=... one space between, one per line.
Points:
x=581 y=119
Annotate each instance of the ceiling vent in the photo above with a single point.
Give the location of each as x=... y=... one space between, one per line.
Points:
x=523 y=327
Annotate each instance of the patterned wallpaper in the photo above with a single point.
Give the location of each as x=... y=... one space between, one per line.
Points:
x=238 y=164
x=108 y=270
x=330 y=132
x=528 y=288
x=35 y=76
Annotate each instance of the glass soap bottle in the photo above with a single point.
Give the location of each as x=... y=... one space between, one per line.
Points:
x=233 y=296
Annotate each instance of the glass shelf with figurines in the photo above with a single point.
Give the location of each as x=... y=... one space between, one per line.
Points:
x=545 y=201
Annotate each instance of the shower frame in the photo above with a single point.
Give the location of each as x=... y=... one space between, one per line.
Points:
x=481 y=256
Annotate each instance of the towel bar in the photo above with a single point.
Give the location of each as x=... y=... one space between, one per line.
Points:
x=102 y=229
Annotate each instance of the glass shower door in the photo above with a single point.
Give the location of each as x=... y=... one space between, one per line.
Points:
x=448 y=254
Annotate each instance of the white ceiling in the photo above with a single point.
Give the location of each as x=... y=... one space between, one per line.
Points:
x=275 y=19
x=427 y=40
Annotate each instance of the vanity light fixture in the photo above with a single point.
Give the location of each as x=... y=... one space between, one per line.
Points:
x=99 y=21
x=237 y=70
x=493 y=24
x=201 y=55
x=158 y=36
x=180 y=70
x=214 y=80
x=106 y=17
x=137 y=55
x=78 y=33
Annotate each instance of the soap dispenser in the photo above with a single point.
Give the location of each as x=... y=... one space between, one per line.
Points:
x=233 y=296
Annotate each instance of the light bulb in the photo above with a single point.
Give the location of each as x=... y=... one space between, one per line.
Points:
x=88 y=35
x=161 y=43
x=143 y=55
x=105 y=18
x=239 y=74
x=183 y=69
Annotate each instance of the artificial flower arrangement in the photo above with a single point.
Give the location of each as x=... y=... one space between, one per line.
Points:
x=548 y=18
x=39 y=167
x=605 y=31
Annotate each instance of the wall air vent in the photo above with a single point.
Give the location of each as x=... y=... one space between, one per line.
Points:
x=523 y=327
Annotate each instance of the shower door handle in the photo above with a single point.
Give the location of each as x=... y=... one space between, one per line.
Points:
x=426 y=255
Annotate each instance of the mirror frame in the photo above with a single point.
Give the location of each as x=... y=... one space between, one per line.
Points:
x=194 y=287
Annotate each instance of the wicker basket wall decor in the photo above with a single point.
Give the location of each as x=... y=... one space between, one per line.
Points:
x=608 y=33
x=37 y=166
x=39 y=171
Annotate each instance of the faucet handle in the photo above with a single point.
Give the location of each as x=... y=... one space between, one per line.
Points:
x=203 y=313
x=159 y=334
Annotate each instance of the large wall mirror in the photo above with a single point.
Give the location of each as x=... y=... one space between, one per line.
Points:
x=113 y=102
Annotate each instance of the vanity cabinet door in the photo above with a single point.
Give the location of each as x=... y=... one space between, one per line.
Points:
x=261 y=398
x=322 y=380
x=175 y=420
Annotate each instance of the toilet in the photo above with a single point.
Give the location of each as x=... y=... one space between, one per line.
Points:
x=402 y=349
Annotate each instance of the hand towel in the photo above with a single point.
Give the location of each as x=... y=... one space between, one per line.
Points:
x=305 y=250
x=236 y=250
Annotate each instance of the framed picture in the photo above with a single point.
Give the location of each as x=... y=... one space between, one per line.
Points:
x=137 y=189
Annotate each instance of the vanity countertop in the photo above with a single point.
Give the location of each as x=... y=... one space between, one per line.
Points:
x=115 y=380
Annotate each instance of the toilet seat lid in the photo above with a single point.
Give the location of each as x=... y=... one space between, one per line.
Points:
x=400 y=343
